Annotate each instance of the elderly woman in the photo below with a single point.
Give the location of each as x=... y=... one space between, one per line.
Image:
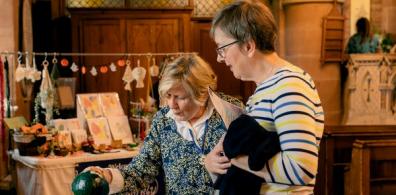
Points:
x=181 y=135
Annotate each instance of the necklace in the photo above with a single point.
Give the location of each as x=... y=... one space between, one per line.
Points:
x=201 y=148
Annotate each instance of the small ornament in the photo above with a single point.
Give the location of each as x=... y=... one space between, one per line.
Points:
x=127 y=78
x=74 y=67
x=20 y=72
x=154 y=69
x=83 y=70
x=121 y=62
x=138 y=74
x=103 y=69
x=113 y=67
x=93 y=71
x=64 y=62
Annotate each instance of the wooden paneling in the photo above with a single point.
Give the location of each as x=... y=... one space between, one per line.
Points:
x=101 y=36
x=364 y=176
x=125 y=31
x=336 y=151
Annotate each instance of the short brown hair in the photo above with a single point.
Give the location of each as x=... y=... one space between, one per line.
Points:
x=248 y=20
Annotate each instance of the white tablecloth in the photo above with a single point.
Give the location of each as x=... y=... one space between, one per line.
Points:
x=53 y=176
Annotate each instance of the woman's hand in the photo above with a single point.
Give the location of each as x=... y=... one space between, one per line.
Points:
x=216 y=161
x=105 y=173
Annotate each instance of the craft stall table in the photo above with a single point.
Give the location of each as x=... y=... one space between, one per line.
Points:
x=53 y=176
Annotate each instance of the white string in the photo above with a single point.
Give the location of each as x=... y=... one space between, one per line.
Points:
x=100 y=54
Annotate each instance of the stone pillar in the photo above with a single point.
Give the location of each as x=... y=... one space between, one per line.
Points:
x=302 y=46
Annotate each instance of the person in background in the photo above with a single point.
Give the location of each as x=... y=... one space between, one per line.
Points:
x=182 y=134
x=362 y=41
x=285 y=101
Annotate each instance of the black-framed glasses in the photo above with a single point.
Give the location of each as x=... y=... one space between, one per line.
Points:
x=221 y=50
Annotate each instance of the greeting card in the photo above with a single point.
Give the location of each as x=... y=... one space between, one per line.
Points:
x=111 y=105
x=120 y=129
x=90 y=105
x=99 y=130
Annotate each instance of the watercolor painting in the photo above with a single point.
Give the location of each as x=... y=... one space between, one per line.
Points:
x=90 y=105
x=111 y=105
x=120 y=129
x=99 y=130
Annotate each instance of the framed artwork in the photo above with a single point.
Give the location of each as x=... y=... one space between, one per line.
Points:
x=111 y=105
x=90 y=105
x=66 y=90
x=120 y=129
x=99 y=129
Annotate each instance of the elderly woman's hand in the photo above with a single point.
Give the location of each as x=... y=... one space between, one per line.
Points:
x=105 y=173
x=216 y=161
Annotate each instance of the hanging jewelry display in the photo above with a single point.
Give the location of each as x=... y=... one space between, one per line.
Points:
x=138 y=74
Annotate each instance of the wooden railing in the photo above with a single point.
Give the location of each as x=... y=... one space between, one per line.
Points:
x=371 y=168
x=336 y=151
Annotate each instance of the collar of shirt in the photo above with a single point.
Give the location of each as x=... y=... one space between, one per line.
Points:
x=184 y=126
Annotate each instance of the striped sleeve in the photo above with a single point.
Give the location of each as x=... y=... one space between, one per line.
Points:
x=290 y=105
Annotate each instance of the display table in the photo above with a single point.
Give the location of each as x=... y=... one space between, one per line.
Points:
x=53 y=176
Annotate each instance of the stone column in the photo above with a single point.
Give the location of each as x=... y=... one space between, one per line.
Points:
x=302 y=46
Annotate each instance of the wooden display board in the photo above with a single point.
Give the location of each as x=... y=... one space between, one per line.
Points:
x=333 y=37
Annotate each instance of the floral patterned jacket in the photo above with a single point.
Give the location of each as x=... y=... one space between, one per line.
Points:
x=164 y=149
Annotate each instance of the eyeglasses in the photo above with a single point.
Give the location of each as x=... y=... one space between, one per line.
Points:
x=221 y=50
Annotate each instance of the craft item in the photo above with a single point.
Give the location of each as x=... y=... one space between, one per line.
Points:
x=127 y=77
x=35 y=74
x=120 y=129
x=121 y=62
x=64 y=62
x=154 y=69
x=74 y=67
x=111 y=105
x=90 y=105
x=103 y=69
x=138 y=74
x=20 y=71
x=93 y=71
x=83 y=70
x=99 y=131
x=113 y=67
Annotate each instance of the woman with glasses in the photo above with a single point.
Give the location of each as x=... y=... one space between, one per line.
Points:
x=182 y=134
x=285 y=101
